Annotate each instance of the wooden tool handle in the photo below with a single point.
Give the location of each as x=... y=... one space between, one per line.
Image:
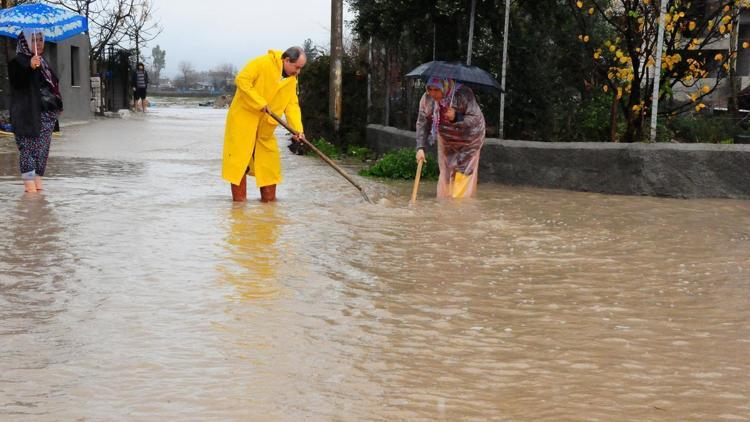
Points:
x=416 y=181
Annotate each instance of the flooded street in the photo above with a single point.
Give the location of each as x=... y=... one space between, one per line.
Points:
x=132 y=288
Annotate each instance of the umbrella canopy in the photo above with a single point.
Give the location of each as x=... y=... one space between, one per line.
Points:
x=471 y=75
x=56 y=24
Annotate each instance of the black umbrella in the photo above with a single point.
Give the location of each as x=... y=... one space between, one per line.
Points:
x=470 y=75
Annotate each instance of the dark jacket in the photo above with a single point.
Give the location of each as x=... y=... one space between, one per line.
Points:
x=25 y=96
x=134 y=78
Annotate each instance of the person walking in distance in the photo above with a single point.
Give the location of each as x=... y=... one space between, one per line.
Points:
x=140 y=85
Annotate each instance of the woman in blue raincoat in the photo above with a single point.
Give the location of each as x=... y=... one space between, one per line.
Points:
x=450 y=115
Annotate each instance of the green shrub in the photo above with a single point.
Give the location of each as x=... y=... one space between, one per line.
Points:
x=706 y=128
x=664 y=133
x=400 y=164
x=593 y=119
x=361 y=153
x=326 y=148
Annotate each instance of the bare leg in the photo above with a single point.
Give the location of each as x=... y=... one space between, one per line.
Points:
x=268 y=193
x=239 y=192
x=29 y=186
x=38 y=182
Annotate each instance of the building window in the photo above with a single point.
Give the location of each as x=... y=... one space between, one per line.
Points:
x=75 y=66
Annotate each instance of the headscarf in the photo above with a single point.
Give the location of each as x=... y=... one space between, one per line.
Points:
x=22 y=47
x=448 y=87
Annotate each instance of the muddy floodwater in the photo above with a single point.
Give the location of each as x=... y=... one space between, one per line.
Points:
x=132 y=288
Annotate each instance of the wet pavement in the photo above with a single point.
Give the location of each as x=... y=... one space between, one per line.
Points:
x=133 y=289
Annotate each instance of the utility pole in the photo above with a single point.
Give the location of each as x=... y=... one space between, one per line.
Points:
x=434 y=41
x=137 y=49
x=501 y=126
x=335 y=75
x=657 y=69
x=733 y=104
x=471 y=31
x=369 y=79
x=387 y=78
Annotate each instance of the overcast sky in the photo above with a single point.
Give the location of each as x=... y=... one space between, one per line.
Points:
x=208 y=33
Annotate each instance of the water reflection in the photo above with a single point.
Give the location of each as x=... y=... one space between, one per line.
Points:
x=31 y=249
x=35 y=292
x=253 y=255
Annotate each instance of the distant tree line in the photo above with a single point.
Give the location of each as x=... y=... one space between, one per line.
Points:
x=218 y=78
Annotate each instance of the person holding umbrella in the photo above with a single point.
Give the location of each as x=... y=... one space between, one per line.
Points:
x=35 y=106
x=36 y=101
x=450 y=115
x=267 y=84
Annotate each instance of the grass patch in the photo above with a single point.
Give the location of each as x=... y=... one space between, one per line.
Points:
x=400 y=164
x=326 y=148
x=352 y=151
x=363 y=153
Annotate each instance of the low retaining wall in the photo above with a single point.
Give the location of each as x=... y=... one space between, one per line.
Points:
x=672 y=170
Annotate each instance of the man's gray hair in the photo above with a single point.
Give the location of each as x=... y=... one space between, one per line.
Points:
x=293 y=54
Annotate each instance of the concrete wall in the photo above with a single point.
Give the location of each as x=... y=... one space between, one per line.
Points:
x=673 y=170
x=76 y=98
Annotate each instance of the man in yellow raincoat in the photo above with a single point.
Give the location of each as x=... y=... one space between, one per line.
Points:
x=267 y=83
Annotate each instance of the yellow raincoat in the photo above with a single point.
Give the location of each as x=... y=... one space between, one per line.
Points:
x=248 y=138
